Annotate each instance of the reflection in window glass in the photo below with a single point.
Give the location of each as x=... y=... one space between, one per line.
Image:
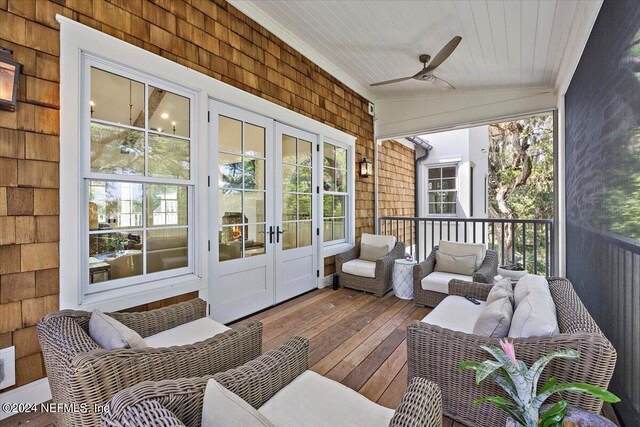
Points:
x=116 y=99
x=229 y=135
x=254 y=139
x=442 y=193
x=169 y=157
x=230 y=242
x=166 y=205
x=115 y=255
x=167 y=249
x=335 y=173
x=114 y=205
x=168 y=112
x=116 y=150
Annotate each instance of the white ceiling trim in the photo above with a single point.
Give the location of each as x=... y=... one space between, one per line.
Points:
x=301 y=46
x=580 y=33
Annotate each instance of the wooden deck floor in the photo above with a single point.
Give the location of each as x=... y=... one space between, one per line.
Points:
x=355 y=338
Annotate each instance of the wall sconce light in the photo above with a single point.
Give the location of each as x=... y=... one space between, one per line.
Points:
x=366 y=168
x=9 y=75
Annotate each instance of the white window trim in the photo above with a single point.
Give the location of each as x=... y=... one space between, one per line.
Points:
x=426 y=188
x=76 y=38
x=335 y=247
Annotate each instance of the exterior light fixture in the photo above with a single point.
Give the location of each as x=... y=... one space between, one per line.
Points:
x=9 y=76
x=366 y=168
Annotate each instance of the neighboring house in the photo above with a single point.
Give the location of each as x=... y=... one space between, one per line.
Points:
x=453 y=183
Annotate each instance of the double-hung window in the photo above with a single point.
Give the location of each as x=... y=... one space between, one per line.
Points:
x=336 y=195
x=442 y=190
x=137 y=177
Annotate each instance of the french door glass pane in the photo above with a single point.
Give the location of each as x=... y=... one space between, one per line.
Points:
x=230 y=242
x=289 y=149
x=253 y=174
x=116 y=150
x=304 y=234
x=167 y=249
x=289 y=178
x=254 y=140
x=289 y=237
x=116 y=99
x=304 y=180
x=229 y=135
x=304 y=153
x=166 y=205
x=230 y=171
x=168 y=112
x=168 y=157
x=296 y=187
x=289 y=207
x=230 y=206
x=254 y=243
x=254 y=206
x=114 y=205
x=304 y=206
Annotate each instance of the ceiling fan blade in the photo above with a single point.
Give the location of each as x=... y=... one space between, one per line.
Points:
x=444 y=53
x=444 y=81
x=386 y=82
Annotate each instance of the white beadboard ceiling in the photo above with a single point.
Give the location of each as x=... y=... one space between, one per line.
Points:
x=506 y=44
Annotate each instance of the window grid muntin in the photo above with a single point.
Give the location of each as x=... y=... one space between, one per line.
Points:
x=332 y=193
x=436 y=191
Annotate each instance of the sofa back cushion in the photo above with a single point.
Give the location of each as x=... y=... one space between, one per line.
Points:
x=223 y=408
x=527 y=284
x=494 y=321
x=111 y=334
x=372 y=253
x=464 y=249
x=378 y=240
x=446 y=263
x=535 y=316
x=501 y=289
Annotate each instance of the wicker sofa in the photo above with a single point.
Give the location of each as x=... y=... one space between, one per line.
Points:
x=485 y=274
x=81 y=372
x=435 y=353
x=180 y=402
x=378 y=285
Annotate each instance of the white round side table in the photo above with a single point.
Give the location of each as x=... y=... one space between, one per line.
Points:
x=402 y=278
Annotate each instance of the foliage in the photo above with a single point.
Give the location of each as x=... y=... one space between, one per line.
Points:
x=521 y=385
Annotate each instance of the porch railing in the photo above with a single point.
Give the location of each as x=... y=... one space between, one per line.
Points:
x=526 y=241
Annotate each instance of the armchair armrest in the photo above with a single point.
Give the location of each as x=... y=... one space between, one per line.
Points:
x=423 y=269
x=489 y=268
x=151 y=322
x=255 y=382
x=384 y=265
x=349 y=255
x=421 y=405
x=142 y=414
x=461 y=288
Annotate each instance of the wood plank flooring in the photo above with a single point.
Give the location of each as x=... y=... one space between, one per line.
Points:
x=355 y=338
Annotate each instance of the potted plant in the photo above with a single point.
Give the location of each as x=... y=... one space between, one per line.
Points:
x=521 y=384
x=512 y=271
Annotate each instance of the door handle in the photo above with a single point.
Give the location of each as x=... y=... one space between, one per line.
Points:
x=271 y=234
x=278 y=233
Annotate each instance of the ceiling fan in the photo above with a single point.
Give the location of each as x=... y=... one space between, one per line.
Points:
x=426 y=74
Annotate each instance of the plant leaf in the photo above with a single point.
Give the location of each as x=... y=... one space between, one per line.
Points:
x=595 y=391
x=466 y=364
x=554 y=416
x=503 y=404
x=550 y=383
x=486 y=368
x=533 y=374
x=513 y=371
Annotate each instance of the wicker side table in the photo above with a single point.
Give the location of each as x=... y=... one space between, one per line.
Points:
x=402 y=279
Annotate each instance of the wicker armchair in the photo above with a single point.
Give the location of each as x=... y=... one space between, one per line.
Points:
x=384 y=269
x=179 y=402
x=435 y=353
x=81 y=372
x=485 y=274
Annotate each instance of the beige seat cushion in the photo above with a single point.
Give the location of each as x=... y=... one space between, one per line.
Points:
x=439 y=281
x=112 y=334
x=494 y=321
x=372 y=253
x=223 y=408
x=501 y=289
x=527 y=284
x=313 y=400
x=455 y=313
x=465 y=265
x=360 y=267
x=187 y=333
x=535 y=316
x=462 y=249
x=378 y=240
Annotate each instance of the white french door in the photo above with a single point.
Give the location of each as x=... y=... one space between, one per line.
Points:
x=296 y=196
x=263 y=226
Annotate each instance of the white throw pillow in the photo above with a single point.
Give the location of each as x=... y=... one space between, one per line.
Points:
x=222 y=408
x=464 y=265
x=372 y=253
x=527 y=284
x=495 y=319
x=379 y=240
x=111 y=334
x=535 y=316
x=463 y=249
x=501 y=289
